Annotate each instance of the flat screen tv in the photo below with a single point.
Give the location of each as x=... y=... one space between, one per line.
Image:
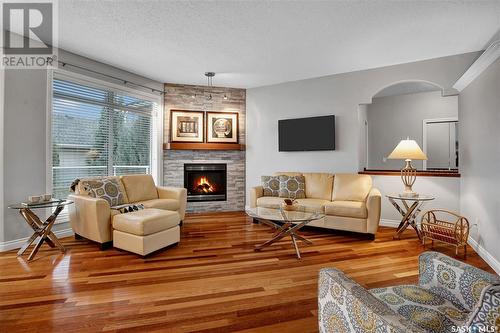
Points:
x=307 y=134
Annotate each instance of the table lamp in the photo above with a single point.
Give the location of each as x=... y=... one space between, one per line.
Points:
x=408 y=150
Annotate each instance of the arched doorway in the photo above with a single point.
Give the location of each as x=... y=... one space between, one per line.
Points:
x=416 y=109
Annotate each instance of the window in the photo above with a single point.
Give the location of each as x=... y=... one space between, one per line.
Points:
x=98 y=131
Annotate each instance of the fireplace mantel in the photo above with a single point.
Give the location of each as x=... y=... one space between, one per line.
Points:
x=202 y=146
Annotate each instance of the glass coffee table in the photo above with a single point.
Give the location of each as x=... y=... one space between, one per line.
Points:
x=286 y=223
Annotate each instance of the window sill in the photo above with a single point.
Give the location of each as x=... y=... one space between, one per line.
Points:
x=420 y=173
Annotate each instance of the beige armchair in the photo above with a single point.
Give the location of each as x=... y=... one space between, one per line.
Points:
x=91 y=218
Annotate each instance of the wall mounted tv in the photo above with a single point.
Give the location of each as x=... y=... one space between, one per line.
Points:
x=307 y=134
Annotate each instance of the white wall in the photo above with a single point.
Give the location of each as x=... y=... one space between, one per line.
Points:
x=479 y=114
x=336 y=94
x=24 y=143
x=393 y=118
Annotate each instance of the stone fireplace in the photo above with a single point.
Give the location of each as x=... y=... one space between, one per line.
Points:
x=187 y=167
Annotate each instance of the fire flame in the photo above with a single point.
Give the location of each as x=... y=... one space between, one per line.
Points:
x=203 y=185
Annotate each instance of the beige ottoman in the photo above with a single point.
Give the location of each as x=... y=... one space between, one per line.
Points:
x=146 y=230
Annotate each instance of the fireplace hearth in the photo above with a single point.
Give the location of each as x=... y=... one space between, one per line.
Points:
x=205 y=182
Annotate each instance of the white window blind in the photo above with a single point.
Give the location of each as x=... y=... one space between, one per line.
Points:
x=97 y=131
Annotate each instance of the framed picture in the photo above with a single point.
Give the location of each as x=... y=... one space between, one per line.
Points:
x=186 y=126
x=222 y=127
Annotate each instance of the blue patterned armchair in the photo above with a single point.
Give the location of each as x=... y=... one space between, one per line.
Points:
x=450 y=297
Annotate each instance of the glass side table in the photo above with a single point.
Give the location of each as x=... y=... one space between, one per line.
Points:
x=409 y=208
x=41 y=230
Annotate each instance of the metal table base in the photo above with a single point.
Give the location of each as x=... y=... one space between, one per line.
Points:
x=284 y=230
x=409 y=211
x=42 y=231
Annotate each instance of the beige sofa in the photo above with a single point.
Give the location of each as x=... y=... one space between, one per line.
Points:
x=348 y=201
x=92 y=218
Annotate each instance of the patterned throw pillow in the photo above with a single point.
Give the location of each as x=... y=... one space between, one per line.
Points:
x=292 y=187
x=106 y=188
x=270 y=185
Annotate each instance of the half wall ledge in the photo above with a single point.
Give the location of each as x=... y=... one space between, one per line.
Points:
x=420 y=173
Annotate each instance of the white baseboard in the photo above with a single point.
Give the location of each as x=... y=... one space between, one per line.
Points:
x=18 y=243
x=389 y=223
x=490 y=260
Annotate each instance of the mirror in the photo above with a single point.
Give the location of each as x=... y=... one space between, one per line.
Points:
x=417 y=110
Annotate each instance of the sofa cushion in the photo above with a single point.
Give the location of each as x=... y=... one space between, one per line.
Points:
x=139 y=187
x=430 y=311
x=346 y=208
x=319 y=185
x=146 y=222
x=269 y=202
x=166 y=204
x=350 y=187
x=292 y=187
x=313 y=205
x=270 y=186
x=107 y=188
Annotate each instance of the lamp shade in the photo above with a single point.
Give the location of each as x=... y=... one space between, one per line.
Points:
x=407 y=150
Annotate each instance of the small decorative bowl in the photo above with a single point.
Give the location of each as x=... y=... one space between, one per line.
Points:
x=287 y=207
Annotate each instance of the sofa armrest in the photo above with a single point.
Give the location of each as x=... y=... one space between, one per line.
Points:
x=90 y=218
x=345 y=306
x=454 y=280
x=255 y=193
x=373 y=206
x=176 y=193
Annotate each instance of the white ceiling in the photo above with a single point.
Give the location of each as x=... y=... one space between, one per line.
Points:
x=256 y=43
x=405 y=88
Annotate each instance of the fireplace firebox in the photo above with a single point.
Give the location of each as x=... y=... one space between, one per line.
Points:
x=205 y=182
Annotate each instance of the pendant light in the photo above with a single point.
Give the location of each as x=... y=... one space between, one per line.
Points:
x=209 y=76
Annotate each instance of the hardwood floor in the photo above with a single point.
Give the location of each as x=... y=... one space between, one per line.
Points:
x=213 y=281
